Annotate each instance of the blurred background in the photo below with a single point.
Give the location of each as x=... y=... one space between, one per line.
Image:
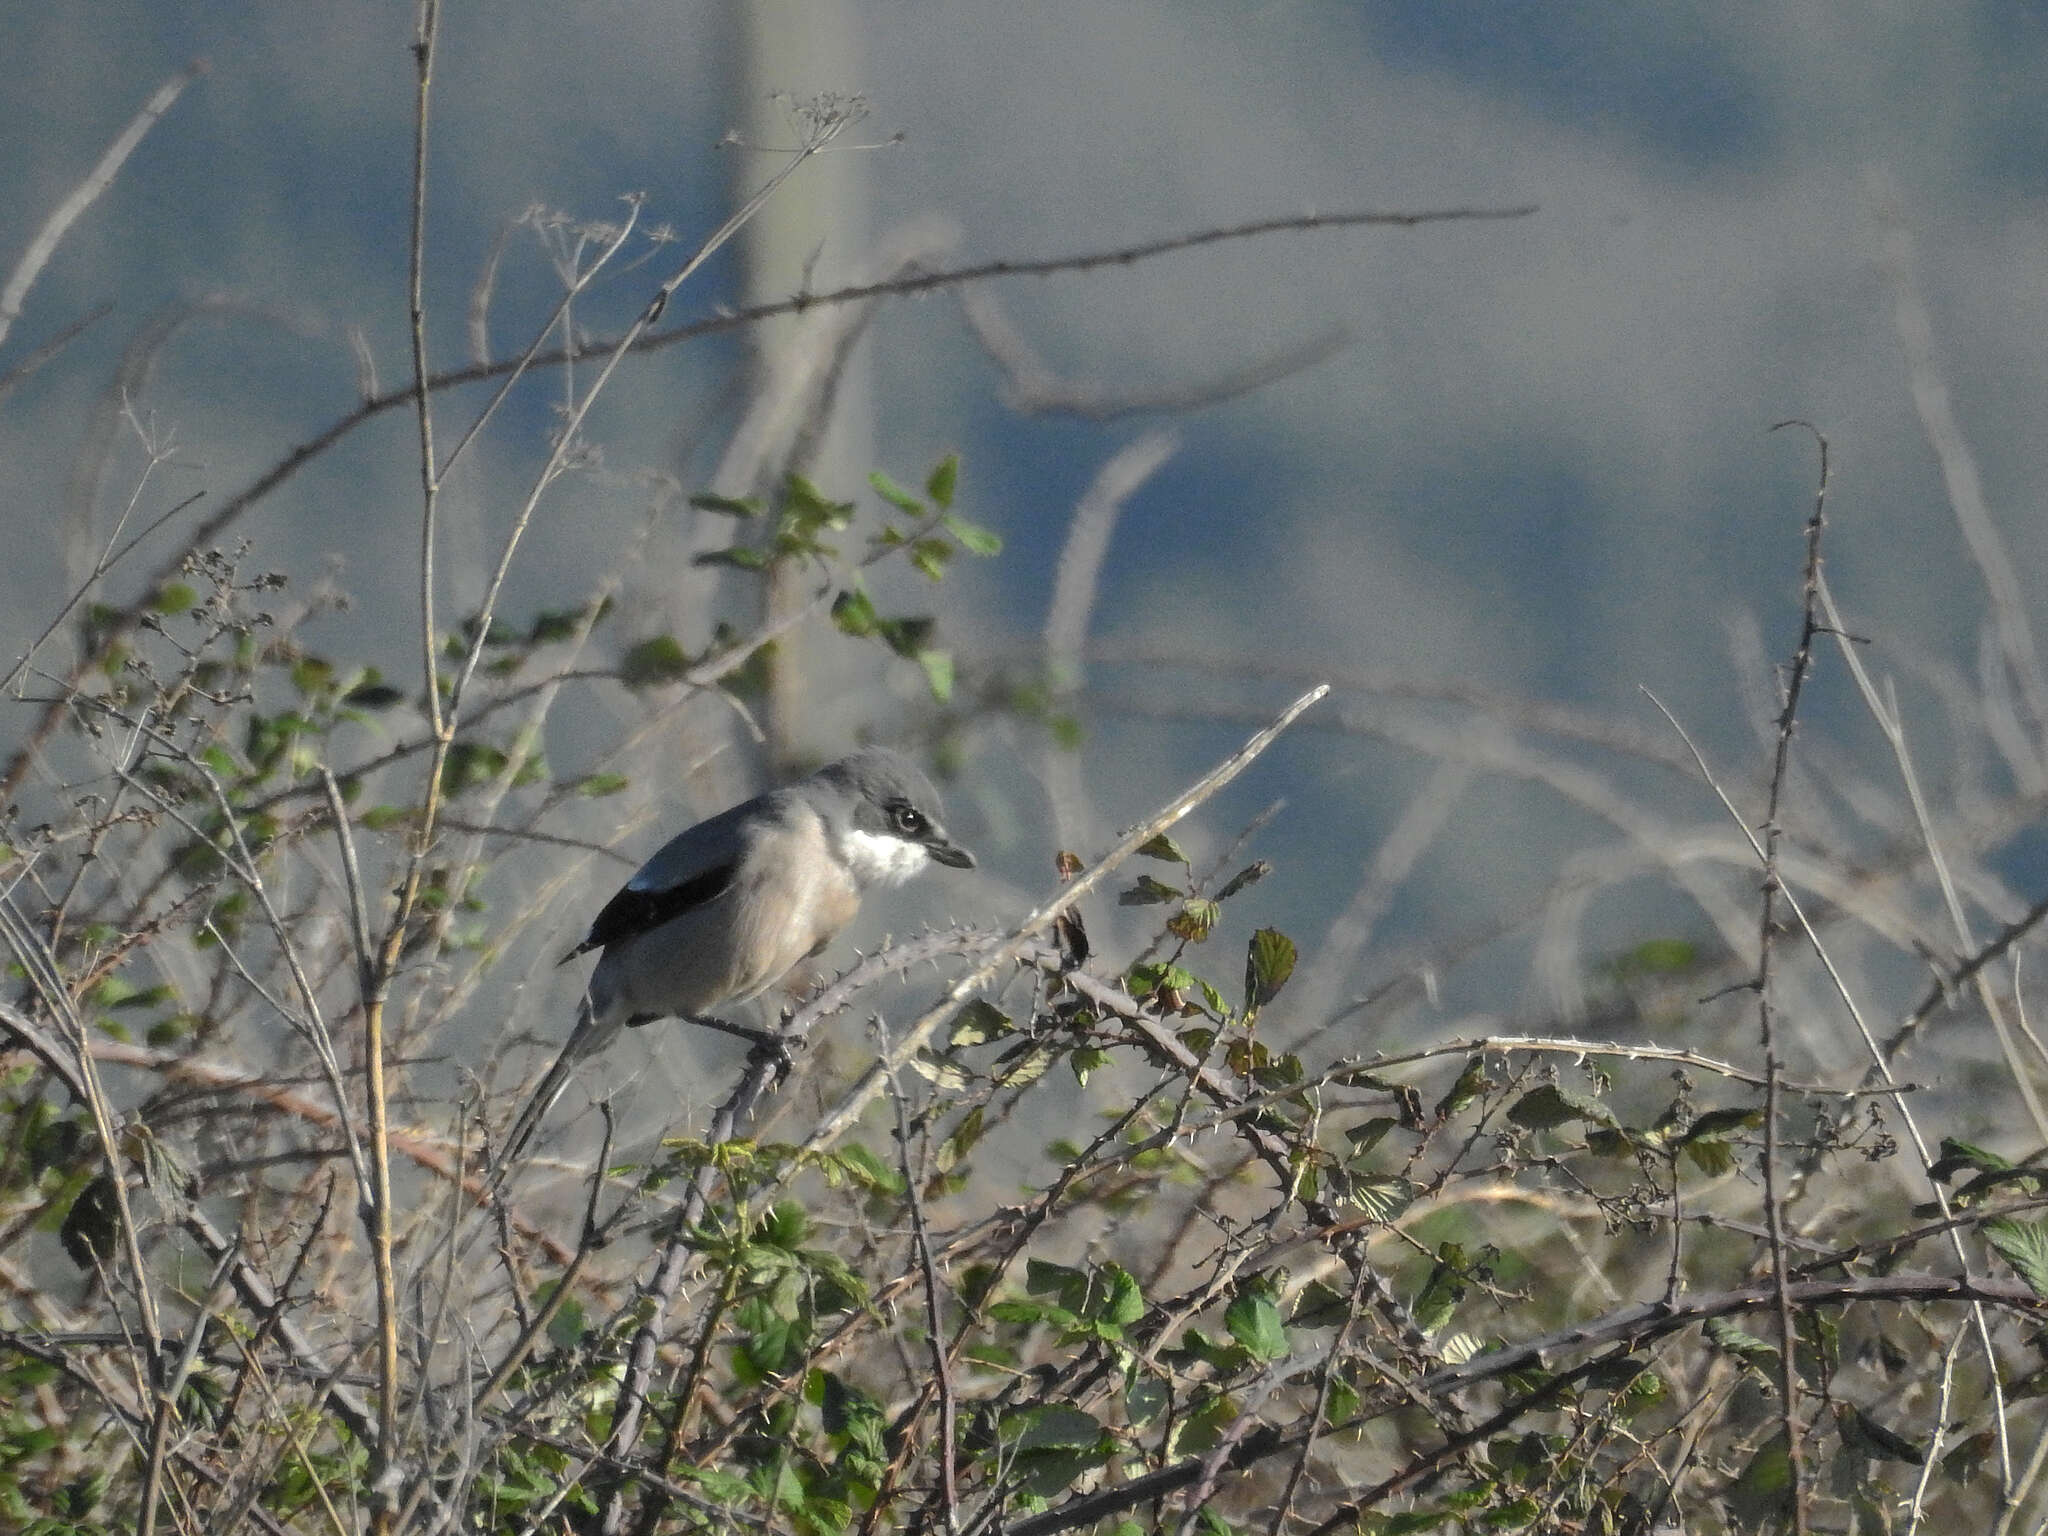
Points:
x=1492 y=478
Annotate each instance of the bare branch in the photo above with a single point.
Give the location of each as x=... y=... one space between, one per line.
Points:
x=43 y=245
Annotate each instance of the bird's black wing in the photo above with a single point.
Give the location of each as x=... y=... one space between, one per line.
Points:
x=634 y=911
x=691 y=868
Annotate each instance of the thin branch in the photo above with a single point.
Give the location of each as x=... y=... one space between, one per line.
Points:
x=423 y=398
x=762 y=1066
x=256 y=1291
x=1965 y=486
x=168 y=1390
x=1637 y=1327
x=934 y=1318
x=1774 y=1210
x=378 y=1218
x=29 y=366
x=1030 y=388
x=43 y=245
x=643 y=338
x=1944 y=986
x=352 y=875
x=871 y=1082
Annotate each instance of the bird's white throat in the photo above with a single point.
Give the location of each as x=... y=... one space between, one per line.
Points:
x=878 y=859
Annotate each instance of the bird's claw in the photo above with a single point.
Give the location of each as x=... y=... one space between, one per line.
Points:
x=773 y=1051
x=768 y=1045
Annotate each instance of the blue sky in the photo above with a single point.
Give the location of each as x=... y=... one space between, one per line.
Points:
x=1540 y=468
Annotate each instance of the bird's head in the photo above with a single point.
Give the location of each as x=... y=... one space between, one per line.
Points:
x=883 y=817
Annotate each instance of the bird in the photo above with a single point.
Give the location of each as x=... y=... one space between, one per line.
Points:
x=727 y=908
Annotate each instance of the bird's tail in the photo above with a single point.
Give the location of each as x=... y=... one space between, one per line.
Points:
x=589 y=1036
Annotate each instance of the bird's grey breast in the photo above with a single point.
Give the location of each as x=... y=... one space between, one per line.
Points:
x=796 y=895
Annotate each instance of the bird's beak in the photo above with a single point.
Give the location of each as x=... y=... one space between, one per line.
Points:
x=951 y=853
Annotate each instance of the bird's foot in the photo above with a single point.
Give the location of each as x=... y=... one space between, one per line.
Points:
x=768 y=1045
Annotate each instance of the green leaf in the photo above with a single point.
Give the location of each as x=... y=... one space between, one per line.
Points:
x=1745 y=1346
x=977 y=1023
x=1763 y=1489
x=808 y=511
x=1343 y=1402
x=907 y=636
x=378 y=817
x=312 y=675
x=1268 y=962
x=961 y=1141
x=740 y=556
x=2018 y=1181
x=1146 y=893
x=1318 y=1305
x=115 y=992
x=565 y=1328
x=1957 y=1155
x=656 y=660
x=596 y=786
x=1614 y=1375
x=1195 y=921
x=1062 y=1282
x=1146 y=1399
x=1548 y=1106
x=372 y=694
x=749 y=680
x=1164 y=848
x=894 y=494
x=1713 y=1157
x=553 y=625
x=1028 y=1314
x=785 y=1225
x=1086 y=1061
x=938 y=673
x=1254 y=1321
x=92 y=1226
x=2023 y=1245
x=1438 y=1299
x=870 y=1170
x=1053 y=1426
x=1512 y=1515
x=1120 y=1302
x=854 y=612
x=1364 y=1138
x=849 y=1412
x=930 y=556
x=1861 y=1432
x=1024 y=1065
x=944 y=479
x=974 y=538
x=497 y=635
x=1251 y=874
x=1963 y=1464
x=710 y=501
x=1724 y=1122
x=1471 y=1084
x=470 y=763
x=174 y=597
x=1618 y=1142
x=1659 y=957
x=1144 y=979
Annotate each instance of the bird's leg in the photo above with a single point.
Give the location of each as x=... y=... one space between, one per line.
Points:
x=764 y=1039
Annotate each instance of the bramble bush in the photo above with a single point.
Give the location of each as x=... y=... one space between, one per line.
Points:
x=1061 y=1233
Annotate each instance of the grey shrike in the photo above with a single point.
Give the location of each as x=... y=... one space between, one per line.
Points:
x=727 y=908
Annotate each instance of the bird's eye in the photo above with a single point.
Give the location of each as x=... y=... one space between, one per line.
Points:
x=907 y=818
